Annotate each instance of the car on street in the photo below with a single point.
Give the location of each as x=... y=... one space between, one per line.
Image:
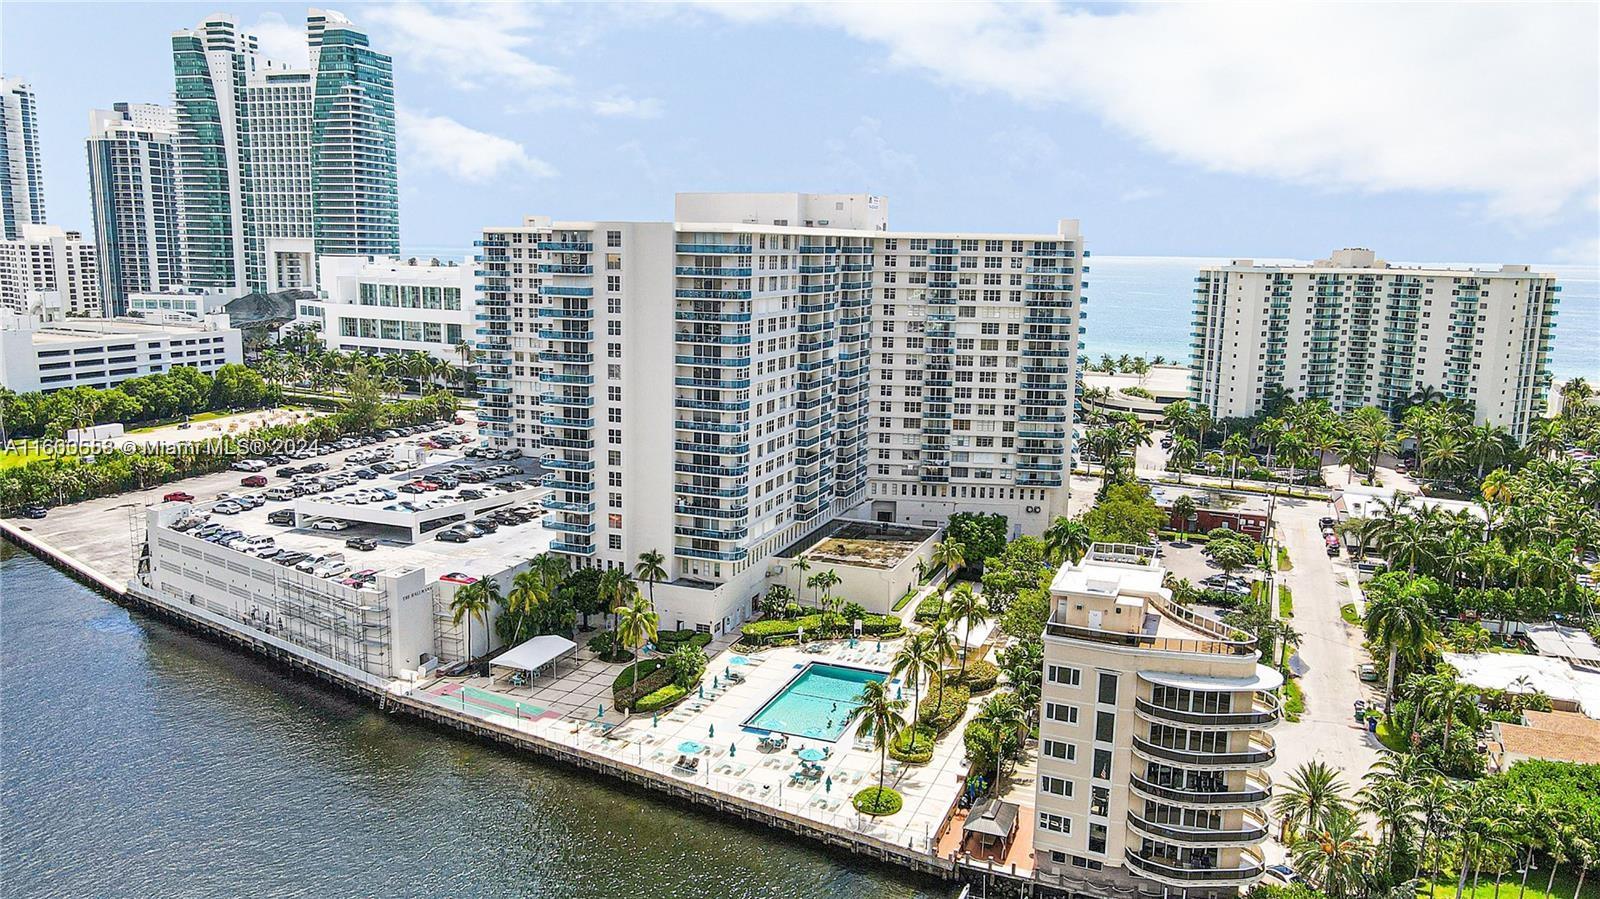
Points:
x=178 y=496
x=1368 y=671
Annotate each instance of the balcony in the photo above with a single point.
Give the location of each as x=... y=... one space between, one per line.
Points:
x=566 y=246
x=1261 y=753
x=558 y=505
x=563 y=312
x=1263 y=714
x=720 y=555
x=557 y=421
x=572 y=549
x=1172 y=875
x=715 y=249
x=547 y=377
x=699 y=271
x=561 y=399
x=1254 y=830
x=701 y=294
x=553 y=524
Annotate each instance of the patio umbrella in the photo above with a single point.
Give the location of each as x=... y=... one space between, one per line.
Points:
x=654 y=720
x=714 y=682
x=733 y=750
x=702 y=691
x=602 y=712
x=827 y=784
x=897 y=696
x=880 y=646
x=713 y=731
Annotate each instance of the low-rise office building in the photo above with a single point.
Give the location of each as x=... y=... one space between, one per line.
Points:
x=1357 y=331
x=1152 y=739
x=388 y=305
x=40 y=353
x=45 y=269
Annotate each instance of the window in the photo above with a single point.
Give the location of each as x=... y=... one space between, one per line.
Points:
x=1056 y=711
x=613 y=238
x=1097 y=838
x=1056 y=749
x=1057 y=823
x=1105 y=727
x=1099 y=801
x=1061 y=674
x=614 y=541
x=1102 y=764
x=1057 y=786
x=1108 y=689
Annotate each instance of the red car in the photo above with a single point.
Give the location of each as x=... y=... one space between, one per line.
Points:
x=178 y=496
x=254 y=480
x=456 y=577
x=425 y=486
x=459 y=420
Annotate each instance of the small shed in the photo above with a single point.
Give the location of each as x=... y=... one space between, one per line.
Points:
x=993 y=822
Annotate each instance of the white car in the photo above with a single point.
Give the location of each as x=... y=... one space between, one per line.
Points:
x=250 y=465
x=330 y=524
x=330 y=569
x=227 y=508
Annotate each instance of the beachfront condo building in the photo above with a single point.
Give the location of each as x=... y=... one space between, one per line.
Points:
x=720 y=386
x=133 y=194
x=45 y=270
x=386 y=305
x=277 y=164
x=21 y=166
x=1358 y=331
x=1153 y=744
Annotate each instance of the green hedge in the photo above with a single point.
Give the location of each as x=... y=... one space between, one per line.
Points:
x=877 y=801
x=653 y=675
x=775 y=630
x=660 y=699
x=981 y=676
x=930 y=609
x=914 y=745
x=667 y=641
x=943 y=716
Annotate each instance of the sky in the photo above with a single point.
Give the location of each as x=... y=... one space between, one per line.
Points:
x=1437 y=132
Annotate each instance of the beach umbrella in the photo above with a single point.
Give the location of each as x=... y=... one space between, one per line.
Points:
x=713 y=732
x=602 y=712
x=702 y=690
x=654 y=720
x=827 y=784
x=733 y=750
x=714 y=682
x=897 y=695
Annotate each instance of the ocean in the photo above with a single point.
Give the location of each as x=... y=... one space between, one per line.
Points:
x=1141 y=305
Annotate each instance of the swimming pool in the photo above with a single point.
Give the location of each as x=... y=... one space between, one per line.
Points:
x=816 y=703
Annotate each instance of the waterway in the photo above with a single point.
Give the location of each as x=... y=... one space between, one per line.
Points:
x=138 y=760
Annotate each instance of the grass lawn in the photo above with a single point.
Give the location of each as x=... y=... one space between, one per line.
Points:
x=907 y=597
x=15 y=457
x=1283 y=559
x=1348 y=613
x=1285 y=602
x=1294 y=700
x=1566 y=885
x=1394 y=742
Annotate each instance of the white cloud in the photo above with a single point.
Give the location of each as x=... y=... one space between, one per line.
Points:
x=281 y=42
x=1492 y=100
x=442 y=144
x=470 y=45
x=623 y=106
x=865 y=157
x=1135 y=194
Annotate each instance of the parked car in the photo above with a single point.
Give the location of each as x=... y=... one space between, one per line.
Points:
x=227 y=507
x=365 y=544
x=330 y=524
x=251 y=465
x=486 y=524
x=287 y=471
x=451 y=537
x=34 y=512
x=1368 y=671
x=254 y=480
x=280 y=516
x=1283 y=874
x=178 y=496
x=330 y=569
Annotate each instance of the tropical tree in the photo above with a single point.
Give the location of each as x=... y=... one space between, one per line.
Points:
x=801 y=566
x=969 y=608
x=950 y=555
x=882 y=719
x=1335 y=854
x=652 y=567
x=1313 y=796
x=1446 y=698
x=636 y=626
x=916 y=659
x=941 y=638
x=1181 y=458
x=1399 y=620
x=1067 y=539
x=1003 y=719
x=472 y=601
x=1236 y=449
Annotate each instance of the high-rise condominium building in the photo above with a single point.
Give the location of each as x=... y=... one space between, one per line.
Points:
x=46 y=270
x=133 y=192
x=717 y=387
x=377 y=305
x=278 y=164
x=21 y=169
x=1357 y=331
x=1152 y=737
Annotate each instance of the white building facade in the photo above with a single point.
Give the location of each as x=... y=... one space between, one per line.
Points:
x=277 y=165
x=43 y=354
x=1153 y=744
x=387 y=305
x=46 y=270
x=816 y=369
x=21 y=166
x=133 y=192
x=1357 y=331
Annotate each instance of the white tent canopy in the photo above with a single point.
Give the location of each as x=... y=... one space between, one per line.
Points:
x=534 y=654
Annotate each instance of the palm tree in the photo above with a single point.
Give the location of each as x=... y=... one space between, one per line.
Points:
x=1315 y=792
x=950 y=554
x=881 y=720
x=1335 y=855
x=969 y=608
x=651 y=568
x=1003 y=717
x=1399 y=619
x=917 y=658
x=636 y=626
x=470 y=601
x=1181 y=458
x=802 y=566
x=1067 y=538
x=943 y=642
x=1482 y=826
x=1269 y=433
x=1485 y=446
x=1446 y=697
x=1235 y=447
x=528 y=592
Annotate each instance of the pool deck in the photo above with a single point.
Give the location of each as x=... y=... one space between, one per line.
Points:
x=564 y=709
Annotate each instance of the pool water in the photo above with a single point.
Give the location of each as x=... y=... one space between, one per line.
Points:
x=815 y=704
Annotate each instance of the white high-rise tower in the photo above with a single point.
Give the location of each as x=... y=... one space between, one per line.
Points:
x=21 y=172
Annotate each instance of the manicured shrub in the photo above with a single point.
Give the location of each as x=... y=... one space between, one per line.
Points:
x=653 y=675
x=609 y=648
x=772 y=632
x=878 y=801
x=930 y=609
x=914 y=745
x=981 y=676
x=941 y=716
x=660 y=699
